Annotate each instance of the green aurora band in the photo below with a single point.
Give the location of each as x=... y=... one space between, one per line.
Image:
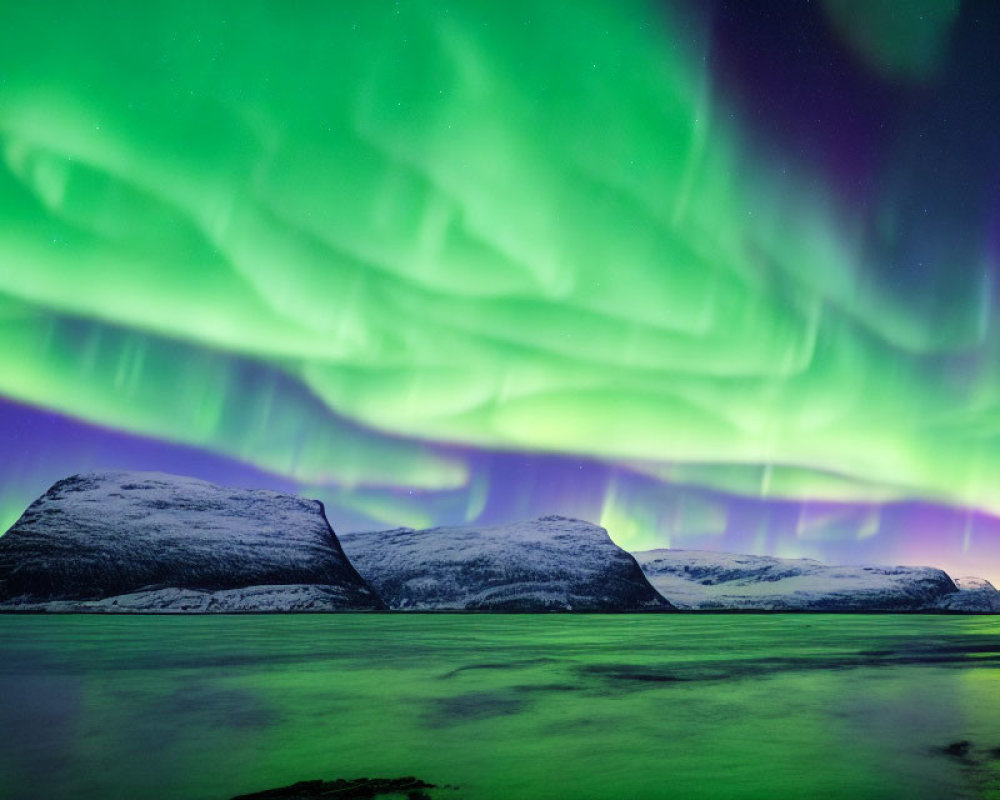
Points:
x=520 y=226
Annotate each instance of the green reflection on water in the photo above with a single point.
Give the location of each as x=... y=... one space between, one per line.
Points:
x=502 y=706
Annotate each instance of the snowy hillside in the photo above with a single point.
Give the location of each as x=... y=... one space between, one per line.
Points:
x=706 y=580
x=552 y=563
x=974 y=594
x=143 y=541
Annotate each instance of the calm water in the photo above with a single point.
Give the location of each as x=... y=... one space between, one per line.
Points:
x=502 y=706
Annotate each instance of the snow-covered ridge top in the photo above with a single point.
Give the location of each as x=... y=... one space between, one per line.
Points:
x=537 y=530
x=968 y=583
x=549 y=520
x=111 y=481
x=744 y=564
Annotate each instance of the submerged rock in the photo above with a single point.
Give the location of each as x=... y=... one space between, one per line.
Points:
x=958 y=749
x=695 y=579
x=548 y=564
x=151 y=542
x=358 y=789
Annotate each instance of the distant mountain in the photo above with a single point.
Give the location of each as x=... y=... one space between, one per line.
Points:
x=974 y=594
x=547 y=564
x=151 y=542
x=695 y=579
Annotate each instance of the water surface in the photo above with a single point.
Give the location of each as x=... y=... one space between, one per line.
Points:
x=504 y=706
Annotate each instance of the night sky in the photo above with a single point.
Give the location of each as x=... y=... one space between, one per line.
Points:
x=717 y=275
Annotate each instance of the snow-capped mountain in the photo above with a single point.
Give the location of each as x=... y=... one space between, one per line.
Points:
x=695 y=579
x=151 y=542
x=145 y=541
x=547 y=564
x=974 y=594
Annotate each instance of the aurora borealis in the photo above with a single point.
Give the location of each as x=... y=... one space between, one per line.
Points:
x=713 y=274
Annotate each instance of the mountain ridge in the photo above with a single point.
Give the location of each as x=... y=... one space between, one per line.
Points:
x=709 y=580
x=551 y=563
x=142 y=537
x=119 y=541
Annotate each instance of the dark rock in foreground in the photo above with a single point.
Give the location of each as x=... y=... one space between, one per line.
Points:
x=548 y=564
x=150 y=542
x=694 y=579
x=358 y=789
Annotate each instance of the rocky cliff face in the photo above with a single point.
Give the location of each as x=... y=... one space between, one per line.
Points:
x=547 y=564
x=706 y=580
x=126 y=541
